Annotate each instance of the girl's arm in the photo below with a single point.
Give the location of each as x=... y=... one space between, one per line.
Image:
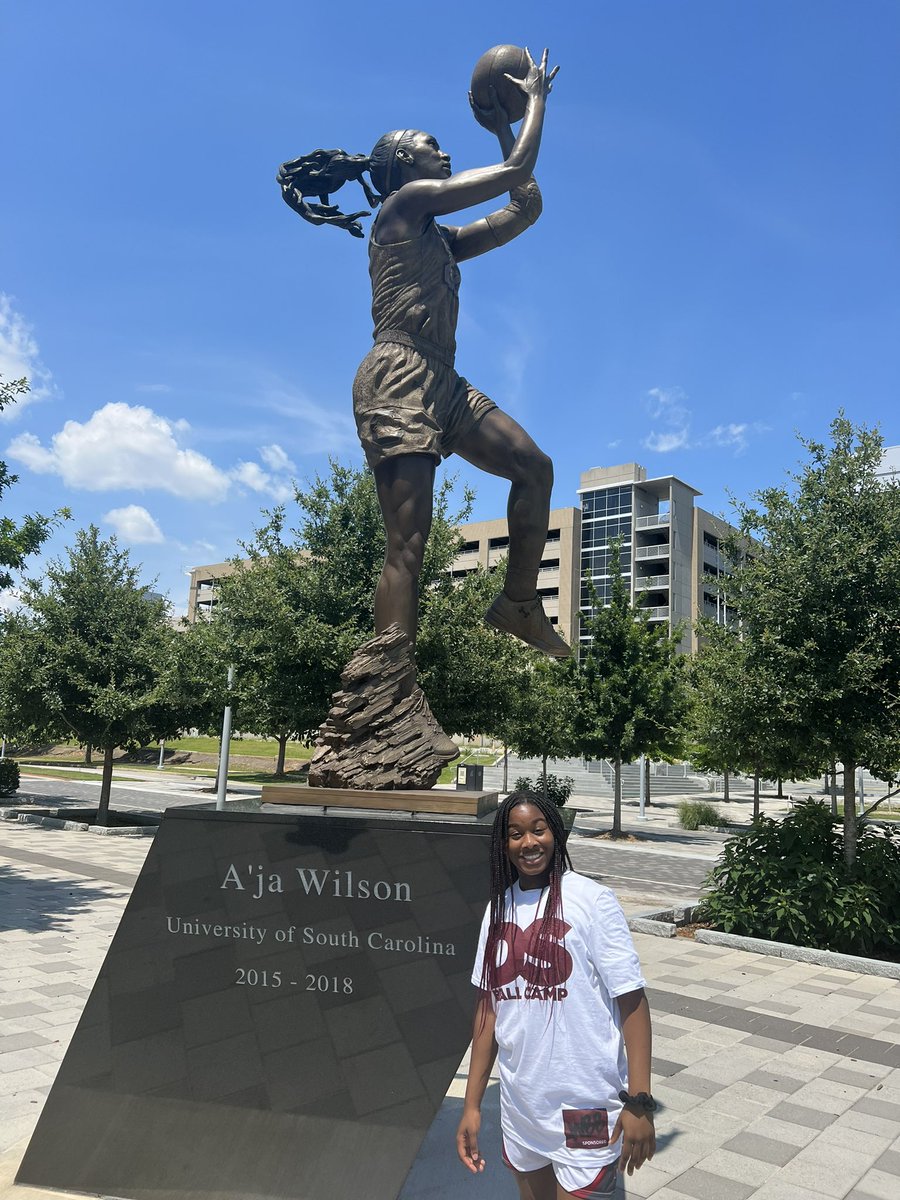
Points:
x=420 y=199
x=638 y=1133
x=484 y=1051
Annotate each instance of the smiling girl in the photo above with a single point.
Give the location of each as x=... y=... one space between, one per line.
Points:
x=561 y=999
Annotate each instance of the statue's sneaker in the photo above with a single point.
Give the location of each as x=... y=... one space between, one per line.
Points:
x=526 y=619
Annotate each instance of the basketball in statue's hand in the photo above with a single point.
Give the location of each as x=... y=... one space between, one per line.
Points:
x=491 y=71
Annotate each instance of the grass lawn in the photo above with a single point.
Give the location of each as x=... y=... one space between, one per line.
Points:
x=882 y=813
x=60 y=766
x=255 y=747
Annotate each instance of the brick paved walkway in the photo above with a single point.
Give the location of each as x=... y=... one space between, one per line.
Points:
x=777 y=1080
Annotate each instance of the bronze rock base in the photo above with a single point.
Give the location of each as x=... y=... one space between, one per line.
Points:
x=380 y=733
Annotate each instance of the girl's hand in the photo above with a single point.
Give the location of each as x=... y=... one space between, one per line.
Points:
x=638 y=1139
x=537 y=84
x=467 y=1140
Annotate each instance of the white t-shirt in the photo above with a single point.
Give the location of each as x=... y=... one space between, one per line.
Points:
x=561 y=1053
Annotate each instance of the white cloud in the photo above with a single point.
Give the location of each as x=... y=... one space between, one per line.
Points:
x=10 y=600
x=276 y=459
x=667 y=407
x=322 y=430
x=19 y=355
x=134 y=524
x=251 y=475
x=663 y=443
x=159 y=388
x=729 y=435
x=125 y=447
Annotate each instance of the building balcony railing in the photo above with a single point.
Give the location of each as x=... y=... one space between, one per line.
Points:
x=656 y=521
x=658 y=614
x=651 y=582
x=642 y=553
x=548 y=570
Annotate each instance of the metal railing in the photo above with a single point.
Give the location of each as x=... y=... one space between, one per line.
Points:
x=652 y=522
x=658 y=614
x=643 y=582
x=644 y=552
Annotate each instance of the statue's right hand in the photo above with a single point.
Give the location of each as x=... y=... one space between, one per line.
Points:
x=537 y=84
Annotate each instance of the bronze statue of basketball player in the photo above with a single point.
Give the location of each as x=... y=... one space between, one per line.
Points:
x=411 y=407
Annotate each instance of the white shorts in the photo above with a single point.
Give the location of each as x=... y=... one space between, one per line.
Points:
x=591 y=1180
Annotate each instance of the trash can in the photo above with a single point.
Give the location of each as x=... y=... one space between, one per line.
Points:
x=470 y=778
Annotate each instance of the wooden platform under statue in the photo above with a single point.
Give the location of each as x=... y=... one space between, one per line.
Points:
x=458 y=803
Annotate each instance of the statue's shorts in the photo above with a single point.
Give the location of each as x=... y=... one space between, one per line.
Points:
x=407 y=402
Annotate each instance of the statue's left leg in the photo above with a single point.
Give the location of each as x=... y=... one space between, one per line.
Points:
x=500 y=446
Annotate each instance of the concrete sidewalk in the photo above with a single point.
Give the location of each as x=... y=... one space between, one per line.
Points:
x=776 y=1080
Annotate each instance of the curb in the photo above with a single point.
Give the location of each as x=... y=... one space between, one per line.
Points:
x=663 y=922
x=48 y=822
x=804 y=954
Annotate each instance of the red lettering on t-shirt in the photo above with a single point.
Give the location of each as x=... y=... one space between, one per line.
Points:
x=525 y=960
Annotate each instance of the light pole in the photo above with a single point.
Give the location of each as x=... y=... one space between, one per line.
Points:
x=225 y=746
x=861 y=790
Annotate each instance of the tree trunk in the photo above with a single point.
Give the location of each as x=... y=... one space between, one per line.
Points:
x=617 y=799
x=647 y=781
x=505 y=768
x=282 y=750
x=780 y=788
x=105 y=786
x=88 y=750
x=544 y=775
x=849 y=815
x=834 y=794
x=755 y=794
x=725 y=782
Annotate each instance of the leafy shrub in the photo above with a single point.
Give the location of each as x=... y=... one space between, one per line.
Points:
x=559 y=787
x=9 y=776
x=787 y=881
x=694 y=813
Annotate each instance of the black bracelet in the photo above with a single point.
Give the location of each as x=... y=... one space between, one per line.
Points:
x=642 y=1101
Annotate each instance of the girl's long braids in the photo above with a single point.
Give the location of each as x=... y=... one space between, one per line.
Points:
x=324 y=171
x=546 y=947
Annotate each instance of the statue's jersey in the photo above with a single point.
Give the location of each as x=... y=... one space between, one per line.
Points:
x=407 y=396
x=415 y=290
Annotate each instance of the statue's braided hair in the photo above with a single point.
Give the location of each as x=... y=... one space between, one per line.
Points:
x=324 y=171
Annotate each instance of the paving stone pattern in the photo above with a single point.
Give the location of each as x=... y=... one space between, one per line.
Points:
x=776 y=1080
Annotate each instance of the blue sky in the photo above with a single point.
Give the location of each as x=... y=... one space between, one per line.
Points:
x=716 y=268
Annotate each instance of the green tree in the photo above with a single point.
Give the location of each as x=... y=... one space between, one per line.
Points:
x=542 y=723
x=819 y=607
x=86 y=656
x=465 y=669
x=471 y=674
x=19 y=540
x=741 y=717
x=341 y=530
x=287 y=657
x=632 y=686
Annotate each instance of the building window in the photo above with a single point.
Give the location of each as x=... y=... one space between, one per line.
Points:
x=470 y=548
x=498 y=543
